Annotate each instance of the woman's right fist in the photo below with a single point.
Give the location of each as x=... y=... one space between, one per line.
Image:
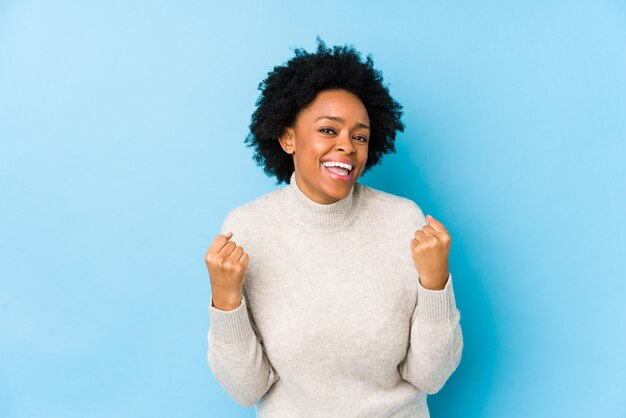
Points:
x=227 y=264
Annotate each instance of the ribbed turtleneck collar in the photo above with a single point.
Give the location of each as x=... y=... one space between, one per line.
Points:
x=319 y=216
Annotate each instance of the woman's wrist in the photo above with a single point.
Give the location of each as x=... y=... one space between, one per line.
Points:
x=429 y=284
x=226 y=302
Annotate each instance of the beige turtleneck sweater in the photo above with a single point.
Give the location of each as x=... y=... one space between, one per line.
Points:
x=333 y=321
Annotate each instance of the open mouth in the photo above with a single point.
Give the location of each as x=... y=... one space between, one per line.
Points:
x=339 y=173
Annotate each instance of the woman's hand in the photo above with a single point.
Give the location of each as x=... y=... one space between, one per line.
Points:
x=429 y=250
x=227 y=264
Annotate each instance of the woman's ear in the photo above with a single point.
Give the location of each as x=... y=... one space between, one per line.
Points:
x=287 y=141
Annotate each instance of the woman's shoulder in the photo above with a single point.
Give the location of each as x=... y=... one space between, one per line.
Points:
x=253 y=212
x=400 y=206
x=376 y=196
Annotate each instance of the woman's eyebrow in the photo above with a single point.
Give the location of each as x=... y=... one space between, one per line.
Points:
x=338 y=119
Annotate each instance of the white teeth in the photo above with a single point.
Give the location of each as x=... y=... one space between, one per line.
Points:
x=337 y=164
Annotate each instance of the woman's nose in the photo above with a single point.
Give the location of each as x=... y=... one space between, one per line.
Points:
x=344 y=143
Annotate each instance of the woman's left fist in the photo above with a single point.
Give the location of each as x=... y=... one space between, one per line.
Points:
x=429 y=249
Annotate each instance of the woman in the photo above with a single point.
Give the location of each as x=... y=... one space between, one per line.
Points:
x=330 y=298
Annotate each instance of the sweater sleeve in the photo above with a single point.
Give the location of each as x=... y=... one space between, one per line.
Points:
x=236 y=354
x=436 y=341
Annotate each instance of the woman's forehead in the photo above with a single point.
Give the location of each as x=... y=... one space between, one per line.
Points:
x=338 y=105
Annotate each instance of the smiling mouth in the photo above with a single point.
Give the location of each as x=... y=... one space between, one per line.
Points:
x=338 y=173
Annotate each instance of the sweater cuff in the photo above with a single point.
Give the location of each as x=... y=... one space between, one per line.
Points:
x=436 y=306
x=230 y=326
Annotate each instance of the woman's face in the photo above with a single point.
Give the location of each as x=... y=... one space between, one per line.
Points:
x=334 y=127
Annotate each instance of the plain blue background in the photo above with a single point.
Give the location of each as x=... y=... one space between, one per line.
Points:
x=122 y=127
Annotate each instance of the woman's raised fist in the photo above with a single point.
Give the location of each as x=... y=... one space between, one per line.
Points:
x=227 y=264
x=430 y=248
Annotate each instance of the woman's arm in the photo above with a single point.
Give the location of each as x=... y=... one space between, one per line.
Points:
x=236 y=355
x=436 y=341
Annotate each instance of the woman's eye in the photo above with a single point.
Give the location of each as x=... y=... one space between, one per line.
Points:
x=330 y=131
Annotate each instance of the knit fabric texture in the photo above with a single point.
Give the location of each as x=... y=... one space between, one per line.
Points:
x=333 y=321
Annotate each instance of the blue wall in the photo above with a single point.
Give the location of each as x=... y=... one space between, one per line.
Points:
x=122 y=127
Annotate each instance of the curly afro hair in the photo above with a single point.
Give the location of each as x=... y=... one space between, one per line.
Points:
x=291 y=87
